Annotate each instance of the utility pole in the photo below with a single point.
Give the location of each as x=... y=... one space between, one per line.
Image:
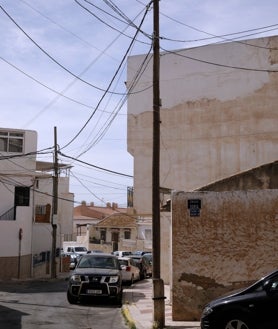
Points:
x=158 y=284
x=55 y=208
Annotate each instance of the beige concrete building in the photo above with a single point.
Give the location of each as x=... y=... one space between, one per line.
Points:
x=218 y=115
x=219 y=118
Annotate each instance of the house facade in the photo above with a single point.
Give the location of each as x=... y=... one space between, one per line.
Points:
x=110 y=228
x=26 y=206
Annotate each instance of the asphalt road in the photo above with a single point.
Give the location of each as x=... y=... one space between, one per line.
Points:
x=43 y=305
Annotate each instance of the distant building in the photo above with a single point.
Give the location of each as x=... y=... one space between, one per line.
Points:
x=110 y=228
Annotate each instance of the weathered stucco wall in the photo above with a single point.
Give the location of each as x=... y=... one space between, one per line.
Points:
x=232 y=242
x=216 y=120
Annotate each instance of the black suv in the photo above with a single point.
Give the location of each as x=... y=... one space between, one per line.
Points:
x=96 y=275
x=255 y=307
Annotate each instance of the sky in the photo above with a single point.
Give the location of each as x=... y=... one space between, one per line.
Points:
x=63 y=65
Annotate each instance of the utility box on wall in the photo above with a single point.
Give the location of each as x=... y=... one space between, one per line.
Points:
x=220 y=241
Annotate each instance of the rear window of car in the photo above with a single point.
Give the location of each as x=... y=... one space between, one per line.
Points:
x=126 y=253
x=123 y=262
x=137 y=260
x=79 y=249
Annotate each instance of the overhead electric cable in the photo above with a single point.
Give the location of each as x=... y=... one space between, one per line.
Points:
x=102 y=131
x=87 y=188
x=53 y=59
x=64 y=29
x=214 y=36
x=44 y=85
x=94 y=166
x=130 y=23
x=177 y=53
x=109 y=85
x=17 y=155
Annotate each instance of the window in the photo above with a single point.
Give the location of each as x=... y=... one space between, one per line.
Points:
x=127 y=234
x=42 y=213
x=11 y=142
x=22 y=196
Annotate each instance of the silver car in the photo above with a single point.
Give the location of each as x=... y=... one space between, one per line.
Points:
x=130 y=272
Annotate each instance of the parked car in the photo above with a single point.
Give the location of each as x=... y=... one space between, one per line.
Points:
x=96 y=275
x=149 y=260
x=94 y=251
x=139 y=252
x=76 y=250
x=121 y=253
x=254 y=307
x=130 y=272
x=142 y=264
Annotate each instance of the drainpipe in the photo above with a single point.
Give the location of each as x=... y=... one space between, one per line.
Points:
x=20 y=232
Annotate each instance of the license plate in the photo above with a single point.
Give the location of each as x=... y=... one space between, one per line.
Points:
x=94 y=292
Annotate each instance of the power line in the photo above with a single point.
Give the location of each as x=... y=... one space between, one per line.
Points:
x=272 y=27
x=102 y=131
x=109 y=85
x=126 y=19
x=54 y=60
x=178 y=53
x=94 y=166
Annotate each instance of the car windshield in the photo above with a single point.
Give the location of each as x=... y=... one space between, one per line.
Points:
x=98 y=262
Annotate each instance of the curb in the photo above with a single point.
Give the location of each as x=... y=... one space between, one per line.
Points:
x=128 y=318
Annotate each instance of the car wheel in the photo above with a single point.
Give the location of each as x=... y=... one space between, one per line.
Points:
x=236 y=324
x=72 y=299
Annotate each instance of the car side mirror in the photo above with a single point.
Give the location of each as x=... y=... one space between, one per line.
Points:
x=271 y=287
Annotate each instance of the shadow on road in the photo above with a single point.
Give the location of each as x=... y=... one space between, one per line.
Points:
x=33 y=286
x=10 y=318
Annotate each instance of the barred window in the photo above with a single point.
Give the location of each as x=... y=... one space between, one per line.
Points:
x=11 y=142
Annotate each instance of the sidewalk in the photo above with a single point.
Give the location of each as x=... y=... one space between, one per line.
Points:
x=138 y=308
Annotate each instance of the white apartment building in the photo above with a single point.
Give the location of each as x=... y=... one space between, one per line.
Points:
x=26 y=188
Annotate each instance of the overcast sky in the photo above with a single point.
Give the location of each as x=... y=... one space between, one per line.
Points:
x=63 y=64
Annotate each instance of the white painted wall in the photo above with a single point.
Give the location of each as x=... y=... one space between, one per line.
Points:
x=9 y=234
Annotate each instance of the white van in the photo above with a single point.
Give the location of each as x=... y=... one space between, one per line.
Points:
x=76 y=250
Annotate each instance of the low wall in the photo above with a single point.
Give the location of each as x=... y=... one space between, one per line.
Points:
x=15 y=267
x=220 y=241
